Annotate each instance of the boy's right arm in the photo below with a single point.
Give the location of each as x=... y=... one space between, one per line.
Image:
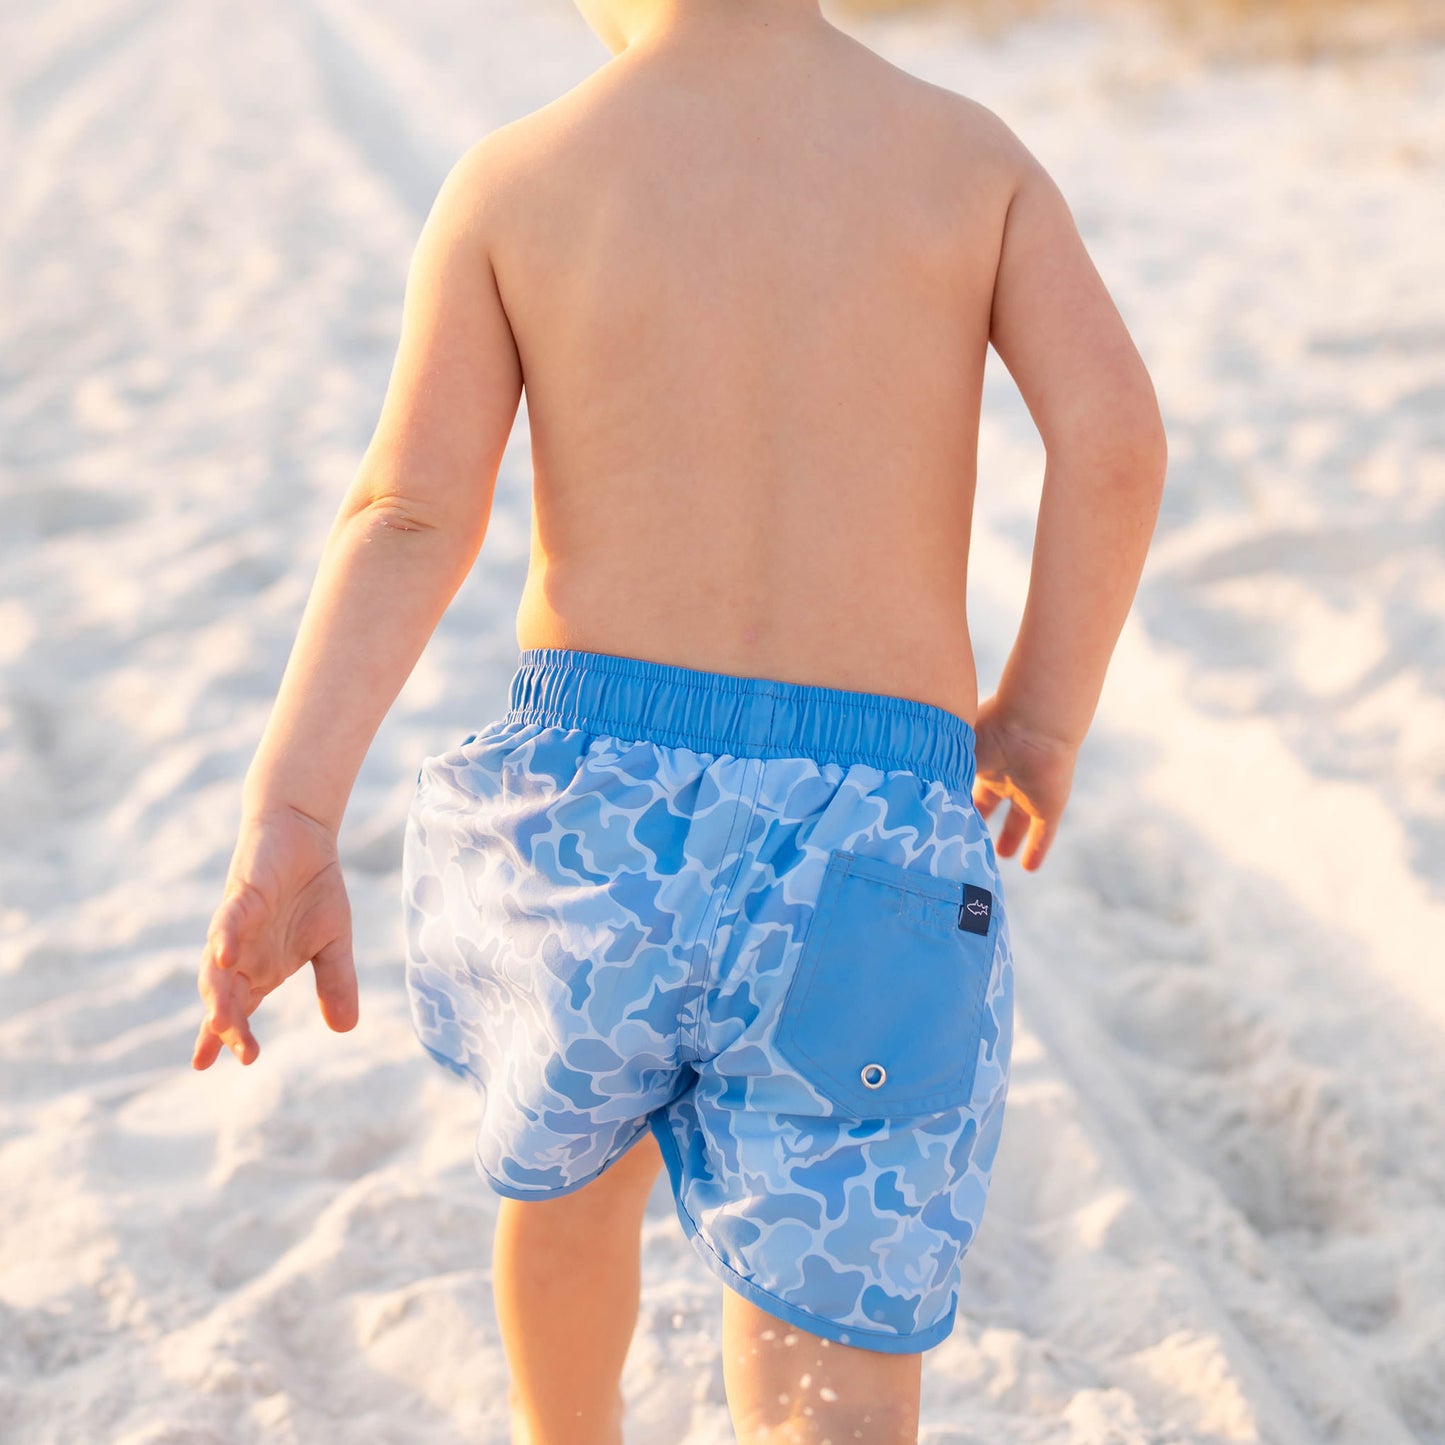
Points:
x=1064 y=343
x=406 y=535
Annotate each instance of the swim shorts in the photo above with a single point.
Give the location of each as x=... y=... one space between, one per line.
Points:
x=764 y=920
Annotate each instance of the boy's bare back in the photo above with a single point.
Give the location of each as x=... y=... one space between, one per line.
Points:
x=751 y=282
x=750 y=290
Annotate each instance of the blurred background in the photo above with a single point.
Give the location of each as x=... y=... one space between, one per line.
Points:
x=1221 y=29
x=1219 y=1206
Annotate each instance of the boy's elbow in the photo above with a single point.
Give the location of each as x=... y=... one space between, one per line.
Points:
x=386 y=492
x=1151 y=449
x=1123 y=440
x=1141 y=426
x=1137 y=456
x=401 y=514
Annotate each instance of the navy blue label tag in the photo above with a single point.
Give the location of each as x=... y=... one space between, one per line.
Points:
x=976 y=909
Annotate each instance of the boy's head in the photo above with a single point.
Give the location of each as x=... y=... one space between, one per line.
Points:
x=619 y=22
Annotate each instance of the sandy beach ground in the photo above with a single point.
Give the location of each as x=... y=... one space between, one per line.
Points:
x=1219 y=1206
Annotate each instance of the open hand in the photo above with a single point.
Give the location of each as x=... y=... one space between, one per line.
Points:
x=1033 y=771
x=285 y=905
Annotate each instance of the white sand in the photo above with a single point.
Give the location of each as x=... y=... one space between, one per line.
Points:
x=1219 y=1209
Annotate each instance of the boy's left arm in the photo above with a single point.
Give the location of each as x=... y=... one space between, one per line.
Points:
x=405 y=536
x=413 y=520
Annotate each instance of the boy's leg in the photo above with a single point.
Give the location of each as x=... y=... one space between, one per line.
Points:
x=566 y=1279
x=786 y=1386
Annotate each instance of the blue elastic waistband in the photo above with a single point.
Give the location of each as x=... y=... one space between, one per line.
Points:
x=717 y=712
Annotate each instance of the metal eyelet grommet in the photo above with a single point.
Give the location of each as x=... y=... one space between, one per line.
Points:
x=873 y=1075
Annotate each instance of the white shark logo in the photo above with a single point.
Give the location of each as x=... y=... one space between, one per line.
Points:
x=979 y=910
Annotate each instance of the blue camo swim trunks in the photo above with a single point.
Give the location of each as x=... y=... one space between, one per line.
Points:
x=762 y=919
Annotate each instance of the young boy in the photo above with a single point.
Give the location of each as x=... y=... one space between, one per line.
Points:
x=717 y=893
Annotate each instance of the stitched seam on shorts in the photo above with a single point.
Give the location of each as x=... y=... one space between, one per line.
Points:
x=750 y=812
x=945 y=890
x=994 y=964
x=975 y=1031
x=808 y=986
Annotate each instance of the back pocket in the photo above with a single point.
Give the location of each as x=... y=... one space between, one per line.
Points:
x=884 y=1015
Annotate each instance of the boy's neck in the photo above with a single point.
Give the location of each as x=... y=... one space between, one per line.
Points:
x=671 y=22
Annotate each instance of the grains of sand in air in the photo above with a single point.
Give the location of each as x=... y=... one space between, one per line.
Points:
x=677 y=1321
x=805 y=1382
x=782 y=1399
x=826 y=1393
x=768 y=1335
x=790 y=1339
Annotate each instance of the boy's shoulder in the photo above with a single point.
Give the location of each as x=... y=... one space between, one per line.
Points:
x=961 y=166
x=953 y=125
x=958 y=117
x=509 y=162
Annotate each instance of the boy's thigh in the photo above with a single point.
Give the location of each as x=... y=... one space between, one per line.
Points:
x=787 y=1386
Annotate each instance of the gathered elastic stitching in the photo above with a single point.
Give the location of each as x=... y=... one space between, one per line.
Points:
x=627 y=732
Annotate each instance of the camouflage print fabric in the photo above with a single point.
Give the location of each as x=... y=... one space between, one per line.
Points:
x=763 y=919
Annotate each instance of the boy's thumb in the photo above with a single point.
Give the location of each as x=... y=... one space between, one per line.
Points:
x=228 y=924
x=336 y=984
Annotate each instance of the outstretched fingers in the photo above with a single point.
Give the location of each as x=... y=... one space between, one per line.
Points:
x=1014 y=827
x=1036 y=845
x=985 y=798
x=227 y=996
x=208 y=1047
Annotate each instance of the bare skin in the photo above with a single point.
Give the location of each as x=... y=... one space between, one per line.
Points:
x=748 y=273
x=784 y=486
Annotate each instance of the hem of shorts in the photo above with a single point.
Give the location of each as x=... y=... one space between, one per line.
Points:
x=500 y=1186
x=555 y=1191
x=451 y=1065
x=882 y=1341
